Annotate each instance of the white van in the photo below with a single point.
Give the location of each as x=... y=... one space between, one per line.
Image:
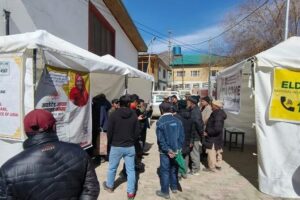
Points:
x=157 y=98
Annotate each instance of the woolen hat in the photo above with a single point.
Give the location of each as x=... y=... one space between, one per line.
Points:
x=218 y=103
x=38 y=121
x=207 y=99
x=192 y=99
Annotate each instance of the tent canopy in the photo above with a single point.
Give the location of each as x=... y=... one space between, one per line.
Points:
x=284 y=54
x=277 y=141
x=60 y=53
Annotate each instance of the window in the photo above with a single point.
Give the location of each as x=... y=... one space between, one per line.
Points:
x=214 y=72
x=164 y=73
x=195 y=73
x=101 y=33
x=187 y=86
x=196 y=85
x=143 y=66
x=180 y=73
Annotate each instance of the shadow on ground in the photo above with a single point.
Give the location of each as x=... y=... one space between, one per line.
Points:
x=244 y=162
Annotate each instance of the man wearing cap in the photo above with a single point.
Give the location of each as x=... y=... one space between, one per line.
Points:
x=197 y=130
x=170 y=138
x=47 y=168
x=214 y=136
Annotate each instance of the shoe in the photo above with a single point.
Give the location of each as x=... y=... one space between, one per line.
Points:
x=163 y=195
x=219 y=168
x=108 y=189
x=130 y=196
x=209 y=170
x=190 y=173
x=184 y=176
x=196 y=173
x=174 y=191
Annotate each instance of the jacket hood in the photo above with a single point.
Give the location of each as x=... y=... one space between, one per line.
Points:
x=125 y=113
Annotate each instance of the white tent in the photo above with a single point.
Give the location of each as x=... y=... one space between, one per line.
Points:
x=26 y=55
x=277 y=139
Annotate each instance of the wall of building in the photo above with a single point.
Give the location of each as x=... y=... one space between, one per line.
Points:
x=202 y=79
x=67 y=19
x=203 y=76
x=125 y=51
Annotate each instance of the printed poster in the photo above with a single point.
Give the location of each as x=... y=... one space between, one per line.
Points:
x=229 y=91
x=10 y=97
x=65 y=93
x=285 y=100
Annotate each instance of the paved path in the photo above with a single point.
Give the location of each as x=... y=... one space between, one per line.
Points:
x=225 y=185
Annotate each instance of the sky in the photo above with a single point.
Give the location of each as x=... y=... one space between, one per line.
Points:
x=190 y=22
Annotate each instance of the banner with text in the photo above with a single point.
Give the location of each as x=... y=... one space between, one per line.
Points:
x=285 y=100
x=10 y=97
x=229 y=91
x=65 y=93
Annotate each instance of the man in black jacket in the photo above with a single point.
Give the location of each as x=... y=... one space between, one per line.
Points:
x=47 y=168
x=122 y=134
x=197 y=130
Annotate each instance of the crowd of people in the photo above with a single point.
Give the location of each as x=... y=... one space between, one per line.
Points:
x=187 y=129
x=57 y=170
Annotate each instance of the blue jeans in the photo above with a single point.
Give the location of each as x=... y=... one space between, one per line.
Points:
x=168 y=172
x=115 y=155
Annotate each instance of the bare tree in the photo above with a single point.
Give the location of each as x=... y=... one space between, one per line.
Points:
x=260 y=31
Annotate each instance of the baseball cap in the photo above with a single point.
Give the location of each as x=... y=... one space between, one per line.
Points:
x=38 y=121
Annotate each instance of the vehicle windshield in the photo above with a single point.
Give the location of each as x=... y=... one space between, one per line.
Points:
x=159 y=98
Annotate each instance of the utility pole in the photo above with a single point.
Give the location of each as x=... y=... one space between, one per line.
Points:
x=286 y=34
x=170 y=57
x=149 y=56
x=209 y=68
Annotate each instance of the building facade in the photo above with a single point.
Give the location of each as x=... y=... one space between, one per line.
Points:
x=100 y=26
x=157 y=67
x=191 y=72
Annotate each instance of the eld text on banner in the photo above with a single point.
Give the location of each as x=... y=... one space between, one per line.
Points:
x=285 y=102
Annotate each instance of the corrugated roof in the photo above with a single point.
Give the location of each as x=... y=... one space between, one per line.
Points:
x=196 y=59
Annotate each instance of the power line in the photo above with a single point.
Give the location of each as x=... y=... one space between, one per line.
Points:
x=166 y=36
x=233 y=26
x=165 y=41
x=160 y=35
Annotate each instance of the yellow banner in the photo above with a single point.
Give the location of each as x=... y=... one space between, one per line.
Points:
x=285 y=102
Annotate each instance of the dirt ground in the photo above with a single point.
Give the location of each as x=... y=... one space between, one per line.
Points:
x=237 y=179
